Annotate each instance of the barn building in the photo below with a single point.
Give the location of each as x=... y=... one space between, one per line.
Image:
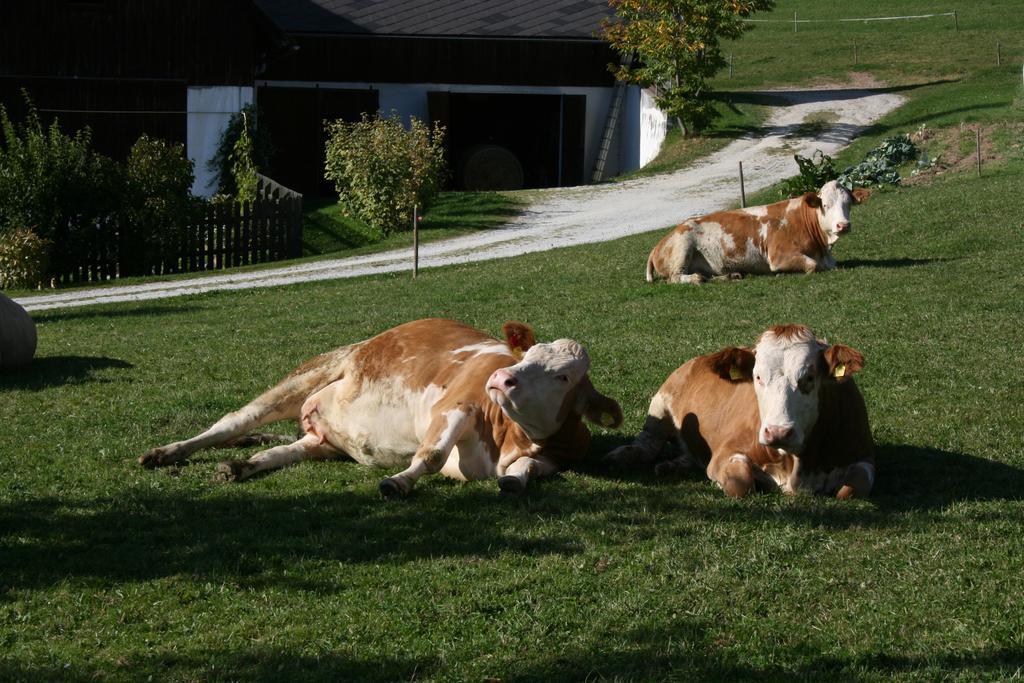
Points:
x=522 y=86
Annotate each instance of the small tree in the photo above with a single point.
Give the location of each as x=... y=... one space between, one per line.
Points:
x=261 y=148
x=381 y=170
x=243 y=165
x=677 y=43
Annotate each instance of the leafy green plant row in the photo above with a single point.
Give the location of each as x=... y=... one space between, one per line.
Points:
x=879 y=167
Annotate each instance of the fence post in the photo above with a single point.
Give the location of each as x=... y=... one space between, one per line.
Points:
x=999 y=57
x=794 y=21
x=743 y=190
x=956 y=22
x=415 y=242
x=977 y=144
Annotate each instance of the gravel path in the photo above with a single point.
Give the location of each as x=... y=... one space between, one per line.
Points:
x=570 y=216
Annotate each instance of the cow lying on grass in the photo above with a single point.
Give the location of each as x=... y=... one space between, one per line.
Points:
x=791 y=236
x=785 y=416
x=431 y=396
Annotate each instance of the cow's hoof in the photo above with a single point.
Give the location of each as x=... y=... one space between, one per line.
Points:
x=667 y=468
x=389 y=488
x=510 y=484
x=155 y=457
x=623 y=456
x=231 y=470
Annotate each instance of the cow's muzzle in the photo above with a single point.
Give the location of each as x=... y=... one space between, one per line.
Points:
x=501 y=381
x=778 y=436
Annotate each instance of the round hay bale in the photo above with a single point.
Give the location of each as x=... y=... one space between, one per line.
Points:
x=491 y=167
x=17 y=335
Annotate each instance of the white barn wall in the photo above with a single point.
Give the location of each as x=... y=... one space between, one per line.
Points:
x=208 y=111
x=653 y=127
x=642 y=129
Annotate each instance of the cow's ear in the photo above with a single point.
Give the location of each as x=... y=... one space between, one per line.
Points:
x=734 y=364
x=860 y=195
x=518 y=336
x=595 y=406
x=842 y=361
x=812 y=200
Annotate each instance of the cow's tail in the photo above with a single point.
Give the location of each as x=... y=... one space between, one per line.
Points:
x=650 y=267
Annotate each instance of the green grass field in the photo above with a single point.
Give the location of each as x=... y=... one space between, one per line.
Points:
x=112 y=572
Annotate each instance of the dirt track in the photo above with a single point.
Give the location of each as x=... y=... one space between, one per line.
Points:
x=575 y=215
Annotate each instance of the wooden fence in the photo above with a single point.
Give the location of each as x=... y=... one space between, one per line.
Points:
x=224 y=236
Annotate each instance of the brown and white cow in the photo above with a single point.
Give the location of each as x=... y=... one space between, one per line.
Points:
x=429 y=396
x=786 y=415
x=791 y=236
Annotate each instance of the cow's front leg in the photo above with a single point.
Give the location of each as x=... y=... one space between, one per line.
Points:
x=737 y=475
x=445 y=430
x=794 y=263
x=520 y=472
x=648 y=444
x=858 y=481
x=308 y=447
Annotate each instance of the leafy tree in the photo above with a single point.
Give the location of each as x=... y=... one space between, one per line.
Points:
x=677 y=45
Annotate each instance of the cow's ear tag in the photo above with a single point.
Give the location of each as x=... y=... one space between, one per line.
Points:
x=839 y=372
x=734 y=374
x=517 y=352
x=607 y=419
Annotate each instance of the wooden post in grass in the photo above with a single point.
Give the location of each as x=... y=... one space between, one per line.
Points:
x=977 y=144
x=794 y=21
x=415 y=241
x=956 y=22
x=743 y=190
x=999 y=57
x=854 y=52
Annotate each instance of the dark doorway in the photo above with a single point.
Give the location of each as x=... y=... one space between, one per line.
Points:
x=506 y=141
x=294 y=117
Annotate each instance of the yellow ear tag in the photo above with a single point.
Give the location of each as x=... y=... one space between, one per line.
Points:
x=607 y=419
x=517 y=352
x=840 y=371
x=734 y=374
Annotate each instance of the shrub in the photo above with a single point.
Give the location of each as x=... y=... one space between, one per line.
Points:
x=158 y=200
x=249 y=118
x=381 y=170
x=53 y=181
x=23 y=258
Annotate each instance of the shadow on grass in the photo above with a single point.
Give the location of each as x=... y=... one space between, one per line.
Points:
x=889 y=263
x=240 y=664
x=252 y=535
x=686 y=652
x=52 y=316
x=921 y=478
x=909 y=478
x=52 y=371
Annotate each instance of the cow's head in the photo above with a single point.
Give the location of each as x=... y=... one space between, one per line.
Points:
x=833 y=203
x=548 y=384
x=788 y=367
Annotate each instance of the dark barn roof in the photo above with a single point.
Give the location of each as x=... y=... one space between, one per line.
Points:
x=520 y=19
